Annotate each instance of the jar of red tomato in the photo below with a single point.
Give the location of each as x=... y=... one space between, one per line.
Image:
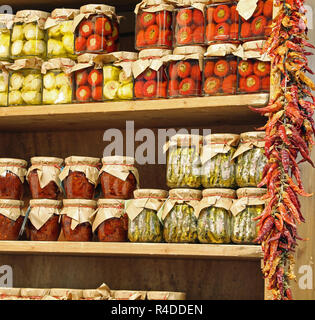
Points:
x=43 y=220
x=96 y=29
x=222 y=22
x=80 y=177
x=256 y=26
x=12 y=174
x=77 y=219
x=189 y=23
x=119 y=177
x=185 y=71
x=43 y=177
x=154 y=22
x=11 y=218
x=88 y=79
x=220 y=70
x=150 y=74
x=253 y=69
x=111 y=221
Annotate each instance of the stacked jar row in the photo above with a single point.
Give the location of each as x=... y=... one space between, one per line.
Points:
x=215 y=161
x=160 y=24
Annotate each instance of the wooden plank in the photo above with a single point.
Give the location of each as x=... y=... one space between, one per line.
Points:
x=153 y=250
x=149 y=113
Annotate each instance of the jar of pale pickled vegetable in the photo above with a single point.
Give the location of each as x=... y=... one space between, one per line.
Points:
x=28 y=38
x=185 y=71
x=11 y=218
x=218 y=168
x=6 y=23
x=12 y=177
x=59 y=26
x=144 y=224
x=150 y=74
x=245 y=209
x=80 y=177
x=43 y=177
x=183 y=161
x=57 y=81
x=4 y=81
x=154 y=24
x=77 y=219
x=179 y=216
x=250 y=159
x=96 y=29
x=25 y=82
x=214 y=216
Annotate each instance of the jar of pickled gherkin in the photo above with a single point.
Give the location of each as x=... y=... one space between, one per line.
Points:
x=43 y=220
x=150 y=74
x=179 y=216
x=249 y=205
x=111 y=221
x=214 y=216
x=43 y=177
x=59 y=26
x=218 y=168
x=250 y=159
x=183 y=161
x=25 y=82
x=117 y=74
x=4 y=81
x=11 y=218
x=77 y=219
x=12 y=177
x=6 y=23
x=144 y=224
x=80 y=177
x=28 y=38
x=119 y=177
x=57 y=81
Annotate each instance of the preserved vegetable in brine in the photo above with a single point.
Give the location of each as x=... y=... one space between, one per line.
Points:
x=6 y=22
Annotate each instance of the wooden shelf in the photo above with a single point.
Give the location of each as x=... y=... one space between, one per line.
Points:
x=155 y=250
x=189 y=112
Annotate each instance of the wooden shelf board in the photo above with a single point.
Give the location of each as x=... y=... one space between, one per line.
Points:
x=164 y=113
x=153 y=250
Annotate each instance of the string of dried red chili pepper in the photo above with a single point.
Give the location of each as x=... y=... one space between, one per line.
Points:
x=289 y=133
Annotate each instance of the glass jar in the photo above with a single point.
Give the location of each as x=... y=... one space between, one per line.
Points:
x=183 y=161
x=88 y=80
x=218 y=168
x=214 y=216
x=11 y=218
x=12 y=174
x=144 y=224
x=80 y=177
x=220 y=76
x=33 y=294
x=247 y=207
x=117 y=75
x=43 y=220
x=97 y=29
x=76 y=219
x=154 y=22
x=222 y=22
x=25 y=82
x=189 y=24
x=250 y=159
x=57 y=81
x=178 y=215
x=111 y=221
x=60 y=42
x=185 y=72
x=28 y=38
x=258 y=25
x=43 y=177
x=119 y=177
x=150 y=74
x=6 y=22
x=4 y=81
